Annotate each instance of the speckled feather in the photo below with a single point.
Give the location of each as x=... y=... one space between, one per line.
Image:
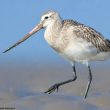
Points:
x=89 y=34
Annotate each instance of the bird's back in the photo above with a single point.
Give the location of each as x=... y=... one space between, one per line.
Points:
x=89 y=34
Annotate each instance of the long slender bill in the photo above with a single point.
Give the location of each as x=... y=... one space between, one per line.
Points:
x=36 y=29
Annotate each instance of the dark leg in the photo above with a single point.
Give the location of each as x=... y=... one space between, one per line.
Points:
x=89 y=82
x=57 y=85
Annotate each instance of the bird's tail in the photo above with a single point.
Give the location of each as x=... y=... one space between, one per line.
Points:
x=108 y=44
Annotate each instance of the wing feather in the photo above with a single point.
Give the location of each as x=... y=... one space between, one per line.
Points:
x=90 y=35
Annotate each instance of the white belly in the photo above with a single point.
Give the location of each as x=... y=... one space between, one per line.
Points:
x=78 y=50
x=83 y=51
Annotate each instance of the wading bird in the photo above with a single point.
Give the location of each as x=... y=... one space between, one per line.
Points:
x=74 y=41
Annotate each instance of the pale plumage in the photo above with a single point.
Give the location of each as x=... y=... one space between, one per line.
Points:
x=77 y=42
x=72 y=40
x=86 y=41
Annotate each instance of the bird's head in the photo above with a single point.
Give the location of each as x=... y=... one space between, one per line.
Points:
x=49 y=17
x=46 y=19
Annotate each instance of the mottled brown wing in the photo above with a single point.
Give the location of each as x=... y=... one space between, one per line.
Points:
x=91 y=35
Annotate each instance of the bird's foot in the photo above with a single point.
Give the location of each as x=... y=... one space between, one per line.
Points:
x=52 y=88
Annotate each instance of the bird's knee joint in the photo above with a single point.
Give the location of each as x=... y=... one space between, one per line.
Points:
x=74 y=77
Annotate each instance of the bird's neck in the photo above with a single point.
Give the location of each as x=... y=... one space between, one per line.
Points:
x=54 y=28
x=52 y=31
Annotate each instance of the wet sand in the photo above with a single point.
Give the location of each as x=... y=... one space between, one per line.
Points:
x=22 y=86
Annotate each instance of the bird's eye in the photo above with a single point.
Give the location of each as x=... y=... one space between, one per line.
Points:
x=46 y=17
